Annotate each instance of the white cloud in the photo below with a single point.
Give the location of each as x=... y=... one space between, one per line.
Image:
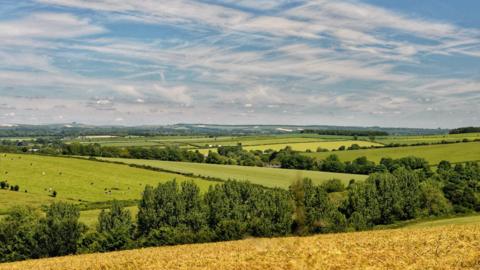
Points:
x=48 y=26
x=177 y=94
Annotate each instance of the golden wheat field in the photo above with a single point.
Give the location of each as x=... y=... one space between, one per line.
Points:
x=447 y=247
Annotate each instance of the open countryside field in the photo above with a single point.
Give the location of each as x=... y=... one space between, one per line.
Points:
x=443 y=247
x=330 y=145
x=427 y=138
x=75 y=180
x=202 y=142
x=269 y=177
x=300 y=146
x=475 y=219
x=457 y=152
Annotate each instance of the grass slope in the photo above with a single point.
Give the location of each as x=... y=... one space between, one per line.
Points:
x=427 y=138
x=475 y=219
x=270 y=177
x=75 y=179
x=311 y=145
x=457 y=152
x=447 y=247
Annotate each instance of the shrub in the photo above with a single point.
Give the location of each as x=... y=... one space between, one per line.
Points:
x=333 y=185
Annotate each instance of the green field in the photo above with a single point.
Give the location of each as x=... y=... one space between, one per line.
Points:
x=427 y=138
x=457 y=152
x=75 y=180
x=311 y=145
x=202 y=142
x=447 y=221
x=269 y=177
x=90 y=217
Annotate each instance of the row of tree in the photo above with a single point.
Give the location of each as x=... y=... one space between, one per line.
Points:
x=178 y=213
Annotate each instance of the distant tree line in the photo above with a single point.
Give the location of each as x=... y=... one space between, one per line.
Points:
x=344 y=132
x=464 y=130
x=177 y=213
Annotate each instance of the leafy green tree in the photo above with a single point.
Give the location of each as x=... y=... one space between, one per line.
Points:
x=115 y=228
x=432 y=199
x=388 y=196
x=320 y=214
x=17 y=234
x=59 y=233
x=409 y=187
x=333 y=185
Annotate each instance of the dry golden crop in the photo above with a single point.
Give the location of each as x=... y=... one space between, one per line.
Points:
x=448 y=247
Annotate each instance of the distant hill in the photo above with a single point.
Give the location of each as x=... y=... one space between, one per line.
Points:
x=76 y=129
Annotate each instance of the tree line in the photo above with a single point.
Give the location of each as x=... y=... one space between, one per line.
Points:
x=178 y=213
x=345 y=132
x=464 y=130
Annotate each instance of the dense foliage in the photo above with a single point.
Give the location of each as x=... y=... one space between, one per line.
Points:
x=342 y=132
x=465 y=130
x=177 y=213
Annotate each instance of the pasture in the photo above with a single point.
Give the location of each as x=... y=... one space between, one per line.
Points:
x=427 y=138
x=442 y=247
x=75 y=180
x=269 y=177
x=456 y=152
x=312 y=146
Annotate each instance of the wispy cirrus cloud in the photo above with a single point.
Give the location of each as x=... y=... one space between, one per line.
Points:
x=323 y=60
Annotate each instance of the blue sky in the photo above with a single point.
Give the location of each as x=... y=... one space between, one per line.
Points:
x=374 y=62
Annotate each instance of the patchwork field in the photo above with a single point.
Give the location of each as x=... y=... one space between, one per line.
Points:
x=443 y=247
x=74 y=180
x=270 y=177
x=427 y=138
x=312 y=146
x=202 y=142
x=457 y=152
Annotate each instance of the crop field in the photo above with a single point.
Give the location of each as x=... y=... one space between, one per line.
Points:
x=202 y=142
x=311 y=145
x=457 y=152
x=443 y=247
x=269 y=177
x=427 y=138
x=75 y=180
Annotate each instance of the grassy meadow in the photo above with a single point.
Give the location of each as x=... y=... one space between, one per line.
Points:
x=269 y=177
x=312 y=146
x=441 y=247
x=75 y=180
x=427 y=138
x=456 y=152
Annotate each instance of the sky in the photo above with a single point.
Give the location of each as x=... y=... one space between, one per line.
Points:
x=389 y=63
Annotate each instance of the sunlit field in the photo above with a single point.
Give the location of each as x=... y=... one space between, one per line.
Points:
x=443 y=247
x=269 y=177
x=456 y=152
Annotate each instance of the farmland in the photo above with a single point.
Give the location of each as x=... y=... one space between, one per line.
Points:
x=443 y=247
x=269 y=177
x=199 y=142
x=427 y=138
x=75 y=180
x=457 y=152
x=330 y=145
x=474 y=219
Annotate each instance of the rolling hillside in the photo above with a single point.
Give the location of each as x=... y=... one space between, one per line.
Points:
x=444 y=247
x=456 y=152
x=74 y=180
x=269 y=177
